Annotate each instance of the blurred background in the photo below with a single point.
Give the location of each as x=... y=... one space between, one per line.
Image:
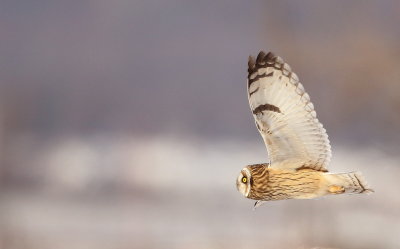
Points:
x=123 y=124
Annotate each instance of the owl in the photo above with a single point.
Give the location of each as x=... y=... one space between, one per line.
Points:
x=297 y=144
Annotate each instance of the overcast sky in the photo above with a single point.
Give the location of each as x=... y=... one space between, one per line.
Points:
x=154 y=67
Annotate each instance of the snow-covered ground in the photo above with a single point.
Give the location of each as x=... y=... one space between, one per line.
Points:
x=166 y=192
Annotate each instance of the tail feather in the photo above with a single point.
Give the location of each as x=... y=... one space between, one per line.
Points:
x=353 y=182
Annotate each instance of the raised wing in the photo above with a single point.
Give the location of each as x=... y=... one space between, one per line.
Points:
x=285 y=116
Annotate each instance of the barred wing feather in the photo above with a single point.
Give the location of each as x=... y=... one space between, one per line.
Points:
x=285 y=117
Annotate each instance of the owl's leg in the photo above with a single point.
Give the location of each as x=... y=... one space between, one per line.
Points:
x=335 y=189
x=258 y=203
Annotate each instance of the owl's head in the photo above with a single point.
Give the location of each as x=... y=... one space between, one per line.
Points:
x=243 y=182
x=252 y=179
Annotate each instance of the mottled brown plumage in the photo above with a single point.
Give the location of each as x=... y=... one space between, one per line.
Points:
x=297 y=144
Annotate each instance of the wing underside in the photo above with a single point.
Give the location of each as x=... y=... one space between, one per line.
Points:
x=285 y=116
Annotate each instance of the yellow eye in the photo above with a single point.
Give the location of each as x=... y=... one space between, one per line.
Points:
x=244 y=179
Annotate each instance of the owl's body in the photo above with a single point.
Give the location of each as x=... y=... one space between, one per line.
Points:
x=269 y=184
x=297 y=144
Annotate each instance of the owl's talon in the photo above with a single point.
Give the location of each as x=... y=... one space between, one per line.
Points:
x=257 y=204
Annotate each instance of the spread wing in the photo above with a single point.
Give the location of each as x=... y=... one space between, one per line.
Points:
x=285 y=116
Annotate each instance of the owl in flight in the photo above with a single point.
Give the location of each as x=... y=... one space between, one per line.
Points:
x=297 y=144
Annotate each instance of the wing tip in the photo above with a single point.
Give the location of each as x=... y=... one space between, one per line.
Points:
x=261 y=60
x=251 y=64
x=263 y=57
